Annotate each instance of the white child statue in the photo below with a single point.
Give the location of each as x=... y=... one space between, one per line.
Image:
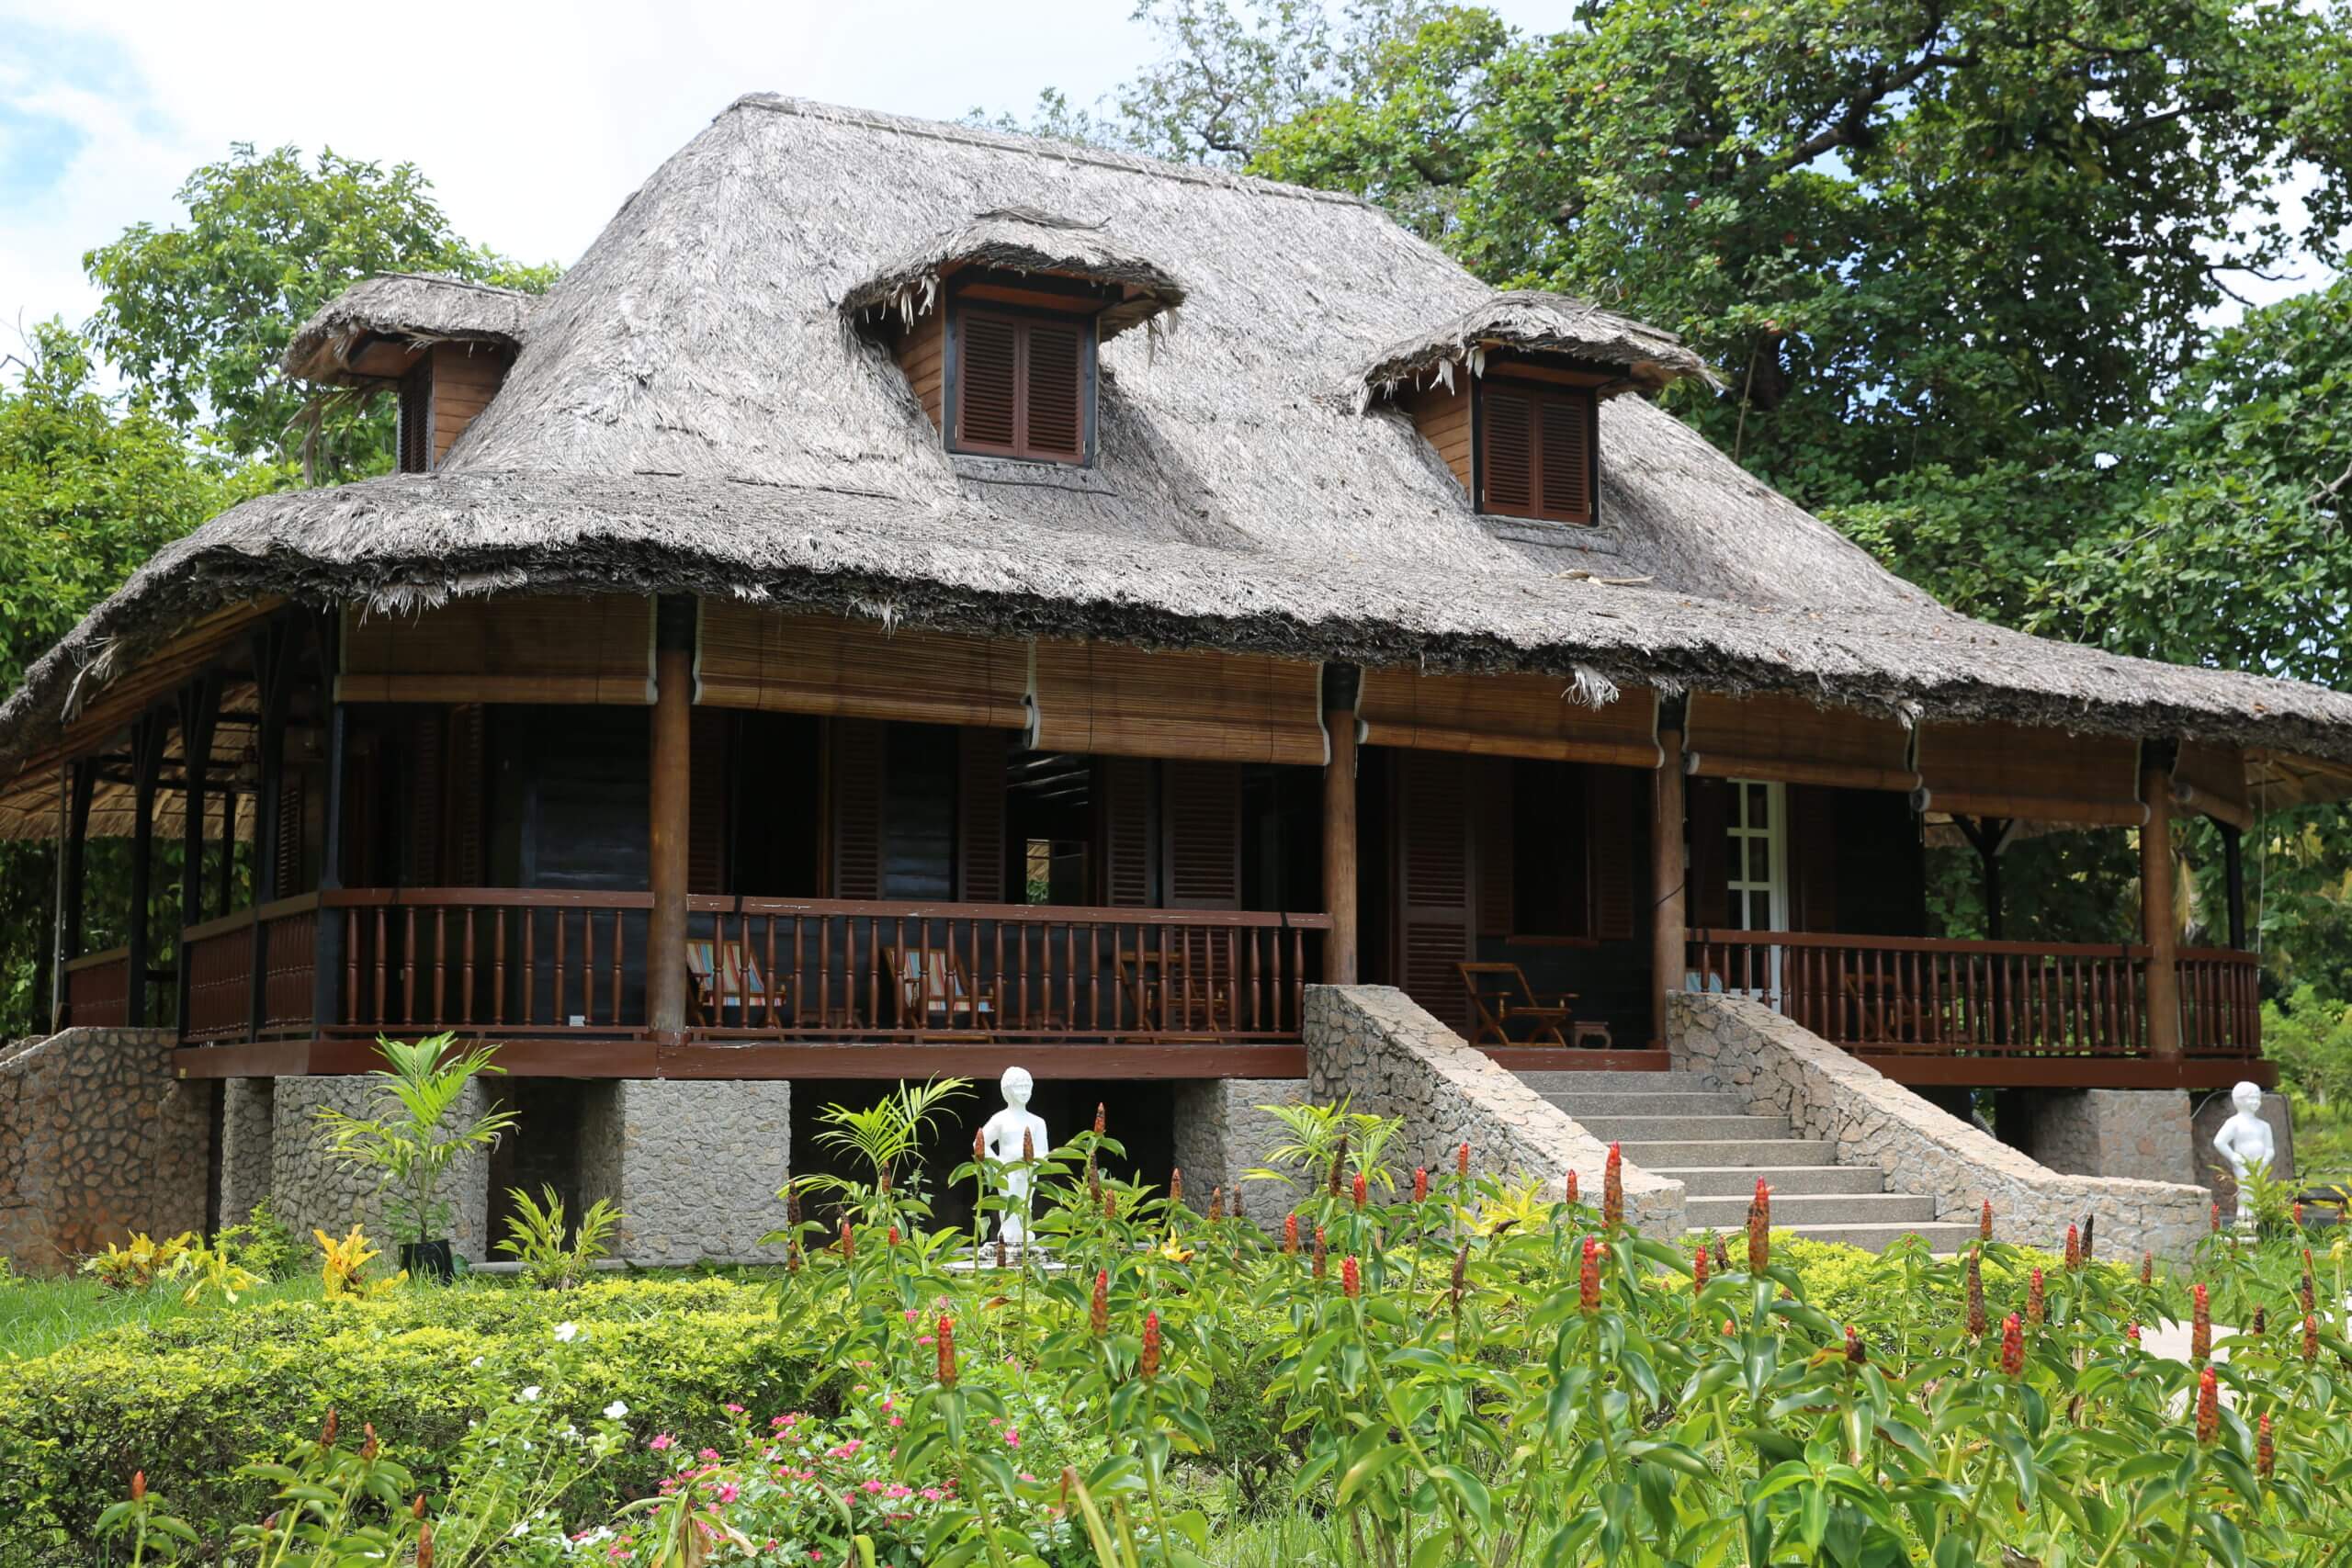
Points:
x=2245 y=1140
x=1014 y=1137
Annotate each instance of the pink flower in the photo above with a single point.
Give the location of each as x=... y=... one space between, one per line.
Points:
x=709 y=1455
x=933 y=1495
x=729 y=1493
x=662 y=1442
x=873 y=1487
x=732 y=1409
x=898 y=1420
x=1011 y=1438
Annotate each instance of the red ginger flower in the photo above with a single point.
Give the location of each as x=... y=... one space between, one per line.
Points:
x=1176 y=1185
x=946 y=1351
x=1855 y=1353
x=848 y=1240
x=2035 y=1307
x=1759 y=1229
x=1699 y=1266
x=2208 y=1408
x=1462 y=1161
x=1150 y=1365
x=1098 y=1311
x=1290 y=1235
x=1984 y=1221
x=1216 y=1205
x=1977 y=1294
x=2132 y=1335
x=1573 y=1194
x=1110 y=1205
x=2012 y=1345
x=890 y=1237
x=328 y=1428
x=2265 y=1452
x=424 y=1546
x=1350 y=1279
x=1420 y=1183
x=1321 y=1252
x=1028 y=1147
x=2310 y=1338
x=2074 y=1249
x=2217 y=1218
x=1613 y=1190
x=369 y=1447
x=2147 y=1267
x=1358 y=1191
x=1588 y=1277
x=1099 y=1120
x=139 y=1487
x=979 y=1148
x=2201 y=1328
x=2261 y=1320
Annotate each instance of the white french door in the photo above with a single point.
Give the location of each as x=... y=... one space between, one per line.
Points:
x=1757 y=864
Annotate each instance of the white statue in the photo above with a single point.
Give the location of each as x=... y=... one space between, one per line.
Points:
x=2245 y=1140
x=1013 y=1137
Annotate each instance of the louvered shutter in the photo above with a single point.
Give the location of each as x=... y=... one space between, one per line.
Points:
x=1054 y=409
x=1507 y=455
x=1432 y=872
x=415 y=422
x=854 y=785
x=289 y=872
x=461 y=855
x=1610 y=805
x=1707 y=895
x=1564 y=465
x=1813 y=858
x=422 y=833
x=706 y=801
x=1498 y=893
x=1123 y=808
x=980 y=829
x=1202 y=808
x=988 y=382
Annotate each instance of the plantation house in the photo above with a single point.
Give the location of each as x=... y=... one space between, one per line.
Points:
x=912 y=600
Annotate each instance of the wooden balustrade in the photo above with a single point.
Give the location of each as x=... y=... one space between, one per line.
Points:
x=1896 y=995
x=475 y=959
x=98 y=990
x=250 y=973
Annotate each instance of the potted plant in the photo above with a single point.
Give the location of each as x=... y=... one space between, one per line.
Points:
x=414 y=1139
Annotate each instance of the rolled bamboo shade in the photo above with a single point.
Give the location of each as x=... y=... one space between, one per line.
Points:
x=1209 y=708
x=753 y=657
x=1790 y=740
x=2041 y=775
x=508 y=649
x=1507 y=715
x=2212 y=779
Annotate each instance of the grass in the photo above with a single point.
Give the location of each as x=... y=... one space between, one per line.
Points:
x=37 y=1316
x=2322 y=1145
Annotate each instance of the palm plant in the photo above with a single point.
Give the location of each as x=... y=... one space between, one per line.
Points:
x=884 y=1137
x=414 y=1138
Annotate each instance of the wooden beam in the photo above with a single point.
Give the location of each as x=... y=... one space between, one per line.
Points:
x=640 y=1057
x=2159 y=931
x=1340 y=864
x=671 y=802
x=149 y=732
x=2070 y=1072
x=1668 y=871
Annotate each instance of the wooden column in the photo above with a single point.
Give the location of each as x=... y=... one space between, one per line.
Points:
x=2157 y=931
x=147 y=736
x=326 y=965
x=2234 y=881
x=81 y=788
x=671 y=802
x=199 y=707
x=1340 y=864
x=1669 y=872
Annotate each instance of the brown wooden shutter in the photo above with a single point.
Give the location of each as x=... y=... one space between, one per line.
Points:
x=1123 y=821
x=706 y=801
x=1813 y=858
x=461 y=853
x=421 y=837
x=1432 y=872
x=1563 y=458
x=1707 y=897
x=988 y=382
x=1609 y=808
x=1507 y=454
x=980 y=830
x=856 y=787
x=1055 y=391
x=289 y=877
x=1497 y=911
x=414 y=426
x=1201 y=807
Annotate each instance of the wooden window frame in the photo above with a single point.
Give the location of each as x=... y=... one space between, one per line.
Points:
x=1537 y=391
x=1090 y=350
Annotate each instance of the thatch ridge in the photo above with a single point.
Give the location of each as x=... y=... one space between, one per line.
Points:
x=1534 y=321
x=1023 y=240
x=418 y=306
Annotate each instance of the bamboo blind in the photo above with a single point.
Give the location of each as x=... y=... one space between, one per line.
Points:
x=1790 y=740
x=753 y=657
x=2276 y=779
x=2041 y=775
x=1507 y=715
x=2212 y=779
x=506 y=650
x=1210 y=707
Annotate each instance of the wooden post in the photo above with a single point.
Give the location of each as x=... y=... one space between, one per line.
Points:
x=147 y=735
x=1669 y=872
x=199 y=707
x=2157 y=929
x=273 y=682
x=671 y=799
x=81 y=788
x=2234 y=880
x=1339 y=865
x=326 y=966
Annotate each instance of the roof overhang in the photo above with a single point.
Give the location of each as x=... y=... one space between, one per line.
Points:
x=1647 y=358
x=376 y=330
x=1023 y=240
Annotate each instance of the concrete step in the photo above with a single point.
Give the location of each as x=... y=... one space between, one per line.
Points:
x=1585 y=1106
x=1943 y=1238
x=1739 y=1180
x=1798 y=1211
x=1592 y=1078
x=1684 y=1129
x=1670 y=1154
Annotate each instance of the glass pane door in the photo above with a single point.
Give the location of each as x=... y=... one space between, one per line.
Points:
x=1757 y=863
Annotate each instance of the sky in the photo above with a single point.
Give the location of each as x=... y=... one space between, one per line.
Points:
x=533 y=122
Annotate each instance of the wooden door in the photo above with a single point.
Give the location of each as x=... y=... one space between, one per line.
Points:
x=979 y=813
x=853 y=789
x=1124 y=840
x=1430 y=819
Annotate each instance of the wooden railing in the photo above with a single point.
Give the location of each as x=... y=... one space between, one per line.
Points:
x=252 y=974
x=1916 y=994
x=98 y=990
x=533 y=961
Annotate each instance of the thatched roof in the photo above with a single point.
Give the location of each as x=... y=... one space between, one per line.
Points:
x=1534 y=323
x=691 y=417
x=412 y=307
x=1023 y=239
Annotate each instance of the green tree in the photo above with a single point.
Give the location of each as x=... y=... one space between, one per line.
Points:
x=199 y=315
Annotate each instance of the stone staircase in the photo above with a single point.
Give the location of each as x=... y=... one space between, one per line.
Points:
x=1673 y=1125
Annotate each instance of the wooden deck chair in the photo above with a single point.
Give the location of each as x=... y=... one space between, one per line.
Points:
x=1502 y=999
x=725 y=975
x=932 y=991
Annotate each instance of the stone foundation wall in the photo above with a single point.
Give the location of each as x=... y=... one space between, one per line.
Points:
x=248 y=1135
x=2141 y=1133
x=98 y=1139
x=1784 y=1070
x=1375 y=1047
x=312 y=1191
x=694 y=1164
x=1220 y=1133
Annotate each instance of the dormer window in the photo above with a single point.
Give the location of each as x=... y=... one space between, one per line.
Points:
x=441 y=346
x=1536 y=444
x=1022 y=383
